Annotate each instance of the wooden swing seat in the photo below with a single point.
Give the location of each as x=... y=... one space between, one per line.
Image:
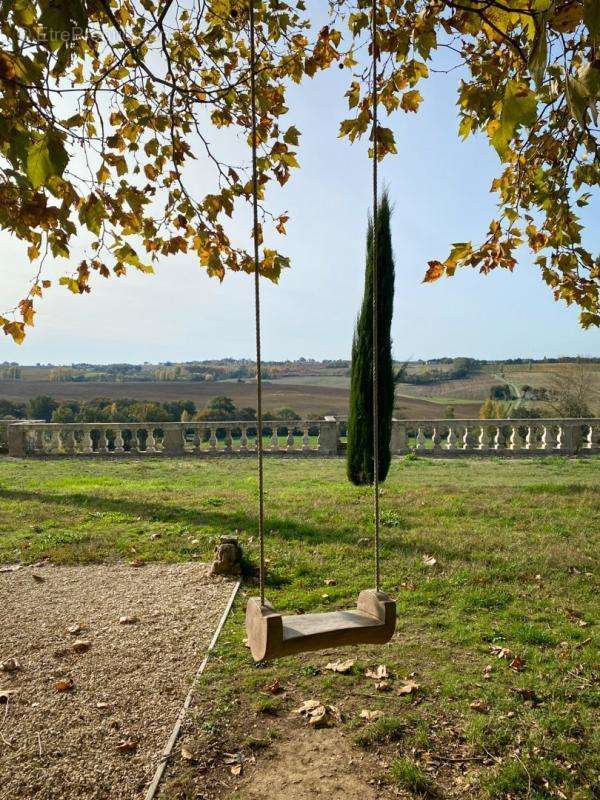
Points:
x=271 y=635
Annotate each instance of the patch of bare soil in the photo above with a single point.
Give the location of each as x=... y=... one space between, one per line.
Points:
x=310 y=763
x=96 y=663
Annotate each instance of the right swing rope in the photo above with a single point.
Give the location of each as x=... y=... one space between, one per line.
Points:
x=375 y=333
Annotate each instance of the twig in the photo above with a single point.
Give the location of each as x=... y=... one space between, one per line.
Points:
x=39 y=744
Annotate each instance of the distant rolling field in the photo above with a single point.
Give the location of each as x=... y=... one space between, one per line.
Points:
x=304 y=398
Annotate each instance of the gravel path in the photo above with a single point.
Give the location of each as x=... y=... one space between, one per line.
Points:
x=104 y=656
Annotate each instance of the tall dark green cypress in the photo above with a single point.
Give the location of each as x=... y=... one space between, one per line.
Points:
x=360 y=421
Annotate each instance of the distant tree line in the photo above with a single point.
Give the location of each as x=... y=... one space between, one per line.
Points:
x=219 y=409
x=459 y=368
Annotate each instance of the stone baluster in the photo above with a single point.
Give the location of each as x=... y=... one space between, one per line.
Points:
x=38 y=438
x=436 y=439
x=133 y=440
x=102 y=441
x=274 y=441
x=68 y=441
x=305 y=436
x=548 y=438
x=55 y=442
x=515 y=442
x=484 y=438
x=498 y=444
x=212 y=439
x=119 y=443
x=150 y=440
x=244 y=439
x=196 y=440
x=465 y=440
x=88 y=442
x=451 y=439
x=289 y=442
x=228 y=439
x=592 y=442
x=420 y=440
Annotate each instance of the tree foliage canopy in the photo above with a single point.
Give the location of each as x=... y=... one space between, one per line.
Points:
x=108 y=113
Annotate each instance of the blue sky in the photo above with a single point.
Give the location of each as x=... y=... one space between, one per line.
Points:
x=440 y=190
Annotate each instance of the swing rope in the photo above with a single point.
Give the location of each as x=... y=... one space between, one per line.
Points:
x=375 y=330
x=255 y=233
x=375 y=354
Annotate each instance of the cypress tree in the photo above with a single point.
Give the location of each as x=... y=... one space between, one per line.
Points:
x=359 y=463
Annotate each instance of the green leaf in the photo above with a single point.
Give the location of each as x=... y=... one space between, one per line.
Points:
x=92 y=213
x=578 y=98
x=519 y=107
x=591 y=18
x=538 y=59
x=45 y=158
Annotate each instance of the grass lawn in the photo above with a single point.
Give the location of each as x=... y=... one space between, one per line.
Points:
x=516 y=547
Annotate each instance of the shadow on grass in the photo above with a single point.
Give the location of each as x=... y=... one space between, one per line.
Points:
x=157 y=512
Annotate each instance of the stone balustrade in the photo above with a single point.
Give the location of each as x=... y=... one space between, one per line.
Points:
x=324 y=437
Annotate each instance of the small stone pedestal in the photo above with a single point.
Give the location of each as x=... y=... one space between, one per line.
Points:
x=228 y=557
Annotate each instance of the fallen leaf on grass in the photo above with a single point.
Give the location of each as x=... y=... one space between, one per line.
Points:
x=371 y=716
x=330 y=582
x=101 y=706
x=342 y=667
x=383 y=686
x=429 y=561
x=479 y=705
x=127 y=746
x=64 y=685
x=235 y=761
x=318 y=714
x=128 y=620
x=500 y=652
x=487 y=672
x=378 y=673
x=10 y=665
x=516 y=664
x=528 y=696
x=81 y=646
x=275 y=687
x=410 y=687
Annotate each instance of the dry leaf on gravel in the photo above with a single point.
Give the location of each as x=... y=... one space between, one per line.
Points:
x=371 y=716
x=64 y=685
x=75 y=630
x=38 y=578
x=10 y=568
x=10 y=665
x=342 y=667
x=378 y=673
x=81 y=646
x=429 y=561
x=128 y=620
x=410 y=687
x=127 y=746
x=479 y=705
x=189 y=749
